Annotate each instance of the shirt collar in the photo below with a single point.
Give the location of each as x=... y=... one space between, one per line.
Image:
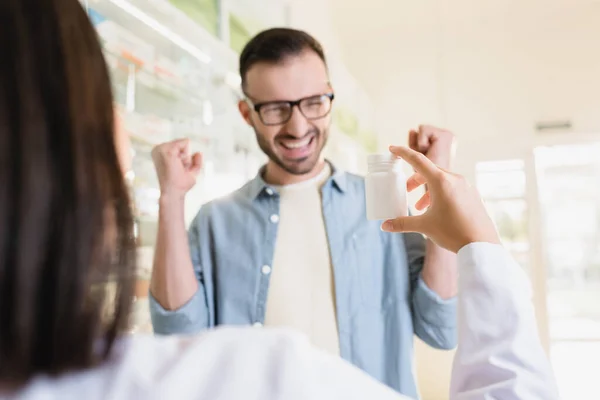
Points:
x=258 y=186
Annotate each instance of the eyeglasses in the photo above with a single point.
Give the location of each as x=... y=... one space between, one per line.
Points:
x=280 y=112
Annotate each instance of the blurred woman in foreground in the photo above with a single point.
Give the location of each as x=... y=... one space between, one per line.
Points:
x=66 y=229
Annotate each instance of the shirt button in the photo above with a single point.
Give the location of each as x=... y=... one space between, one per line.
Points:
x=257 y=325
x=269 y=191
x=266 y=270
x=274 y=218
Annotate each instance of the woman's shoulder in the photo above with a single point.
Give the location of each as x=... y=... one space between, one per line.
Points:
x=223 y=360
x=224 y=343
x=224 y=363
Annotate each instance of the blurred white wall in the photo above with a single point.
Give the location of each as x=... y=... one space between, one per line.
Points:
x=487 y=70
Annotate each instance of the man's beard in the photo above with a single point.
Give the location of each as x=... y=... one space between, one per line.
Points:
x=296 y=167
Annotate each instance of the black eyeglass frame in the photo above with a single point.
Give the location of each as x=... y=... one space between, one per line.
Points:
x=257 y=107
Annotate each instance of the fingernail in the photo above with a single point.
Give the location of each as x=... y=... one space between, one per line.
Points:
x=387 y=226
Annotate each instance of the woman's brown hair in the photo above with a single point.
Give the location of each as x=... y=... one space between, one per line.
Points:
x=66 y=226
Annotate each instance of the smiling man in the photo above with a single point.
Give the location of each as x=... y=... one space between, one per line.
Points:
x=293 y=247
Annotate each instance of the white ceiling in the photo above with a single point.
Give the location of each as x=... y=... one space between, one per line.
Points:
x=378 y=35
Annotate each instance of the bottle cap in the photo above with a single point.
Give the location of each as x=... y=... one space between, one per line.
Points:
x=381 y=158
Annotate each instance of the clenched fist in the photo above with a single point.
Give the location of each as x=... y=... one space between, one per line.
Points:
x=435 y=143
x=176 y=168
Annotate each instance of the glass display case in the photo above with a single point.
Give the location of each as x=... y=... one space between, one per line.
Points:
x=172 y=79
x=169 y=86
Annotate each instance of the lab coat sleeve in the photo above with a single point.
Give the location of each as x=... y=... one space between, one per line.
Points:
x=499 y=355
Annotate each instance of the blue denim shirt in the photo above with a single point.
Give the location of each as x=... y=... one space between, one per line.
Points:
x=380 y=297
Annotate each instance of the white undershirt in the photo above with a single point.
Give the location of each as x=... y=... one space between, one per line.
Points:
x=301 y=290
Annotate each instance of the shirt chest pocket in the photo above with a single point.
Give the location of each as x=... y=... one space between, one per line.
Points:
x=374 y=280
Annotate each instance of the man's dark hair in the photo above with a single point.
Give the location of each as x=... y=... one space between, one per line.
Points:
x=66 y=224
x=275 y=45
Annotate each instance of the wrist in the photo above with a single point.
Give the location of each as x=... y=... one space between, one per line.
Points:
x=171 y=199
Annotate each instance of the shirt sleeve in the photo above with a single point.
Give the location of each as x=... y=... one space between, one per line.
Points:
x=192 y=317
x=500 y=355
x=434 y=318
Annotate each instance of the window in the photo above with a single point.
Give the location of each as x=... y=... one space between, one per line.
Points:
x=569 y=188
x=502 y=187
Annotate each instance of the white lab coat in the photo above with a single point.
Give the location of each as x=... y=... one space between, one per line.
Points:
x=499 y=355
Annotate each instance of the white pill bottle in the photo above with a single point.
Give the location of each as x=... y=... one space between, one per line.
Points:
x=385 y=188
